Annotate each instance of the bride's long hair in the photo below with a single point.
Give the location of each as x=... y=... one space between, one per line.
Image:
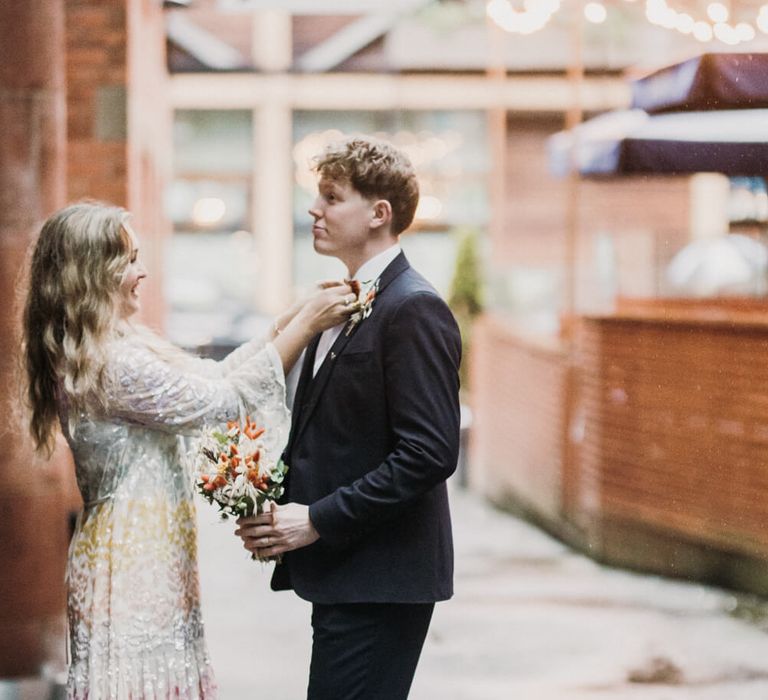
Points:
x=70 y=311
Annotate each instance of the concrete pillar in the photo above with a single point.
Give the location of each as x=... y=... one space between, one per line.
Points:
x=272 y=205
x=272 y=220
x=33 y=517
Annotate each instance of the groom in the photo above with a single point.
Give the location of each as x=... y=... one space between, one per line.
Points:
x=366 y=534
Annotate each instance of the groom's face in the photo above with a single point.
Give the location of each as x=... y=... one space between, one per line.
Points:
x=342 y=220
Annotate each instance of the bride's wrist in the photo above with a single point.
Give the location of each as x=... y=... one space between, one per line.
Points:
x=304 y=323
x=281 y=322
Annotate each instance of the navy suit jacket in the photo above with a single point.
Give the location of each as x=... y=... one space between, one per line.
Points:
x=375 y=434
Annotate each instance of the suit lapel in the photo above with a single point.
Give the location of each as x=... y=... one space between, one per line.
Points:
x=397 y=266
x=317 y=385
x=305 y=379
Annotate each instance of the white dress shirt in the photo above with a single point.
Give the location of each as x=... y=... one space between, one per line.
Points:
x=369 y=272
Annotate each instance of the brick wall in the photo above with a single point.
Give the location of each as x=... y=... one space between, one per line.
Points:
x=676 y=427
x=518 y=401
x=655 y=456
x=96 y=51
x=118 y=123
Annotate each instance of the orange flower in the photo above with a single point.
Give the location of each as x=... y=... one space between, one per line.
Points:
x=253 y=432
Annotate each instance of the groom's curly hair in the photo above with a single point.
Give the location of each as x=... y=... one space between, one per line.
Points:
x=376 y=169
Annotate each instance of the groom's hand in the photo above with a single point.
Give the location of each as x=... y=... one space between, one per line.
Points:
x=283 y=529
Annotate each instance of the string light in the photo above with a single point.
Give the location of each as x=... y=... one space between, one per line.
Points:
x=703 y=31
x=536 y=14
x=595 y=12
x=685 y=23
x=717 y=12
x=745 y=31
x=762 y=19
x=716 y=26
x=726 y=33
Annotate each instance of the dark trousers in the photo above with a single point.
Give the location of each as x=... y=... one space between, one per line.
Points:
x=366 y=651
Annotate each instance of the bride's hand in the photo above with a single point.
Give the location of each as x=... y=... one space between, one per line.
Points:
x=331 y=305
x=289 y=314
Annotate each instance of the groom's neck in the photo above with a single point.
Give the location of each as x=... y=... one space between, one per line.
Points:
x=370 y=252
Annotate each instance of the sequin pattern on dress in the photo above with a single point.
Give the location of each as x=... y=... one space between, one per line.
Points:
x=133 y=591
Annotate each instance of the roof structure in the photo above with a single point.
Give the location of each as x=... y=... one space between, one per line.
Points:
x=408 y=36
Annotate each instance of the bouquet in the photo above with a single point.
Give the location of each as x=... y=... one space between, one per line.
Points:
x=235 y=472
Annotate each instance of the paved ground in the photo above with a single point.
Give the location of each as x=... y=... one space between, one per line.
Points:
x=531 y=620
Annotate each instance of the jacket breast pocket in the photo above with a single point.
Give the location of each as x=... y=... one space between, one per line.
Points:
x=354 y=358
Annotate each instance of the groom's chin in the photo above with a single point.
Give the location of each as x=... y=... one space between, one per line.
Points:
x=321 y=249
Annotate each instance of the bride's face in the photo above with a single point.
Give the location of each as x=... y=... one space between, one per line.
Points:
x=132 y=276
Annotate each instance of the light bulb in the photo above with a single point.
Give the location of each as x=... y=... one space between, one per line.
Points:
x=595 y=12
x=717 y=12
x=702 y=31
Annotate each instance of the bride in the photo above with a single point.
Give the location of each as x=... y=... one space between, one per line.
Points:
x=123 y=398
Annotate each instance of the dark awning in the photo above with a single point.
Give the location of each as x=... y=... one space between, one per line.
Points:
x=712 y=81
x=733 y=142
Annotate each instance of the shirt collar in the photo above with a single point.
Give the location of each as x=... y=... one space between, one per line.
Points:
x=372 y=269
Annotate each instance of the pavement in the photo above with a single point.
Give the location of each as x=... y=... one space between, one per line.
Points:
x=531 y=620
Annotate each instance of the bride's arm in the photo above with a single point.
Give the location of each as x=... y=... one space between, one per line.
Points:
x=291 y=331
x=146 y=388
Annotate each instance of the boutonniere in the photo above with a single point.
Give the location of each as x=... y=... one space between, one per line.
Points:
x=366 y=295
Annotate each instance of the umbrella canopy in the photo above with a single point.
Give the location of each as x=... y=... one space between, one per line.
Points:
x=732 y=142
x=710 y=81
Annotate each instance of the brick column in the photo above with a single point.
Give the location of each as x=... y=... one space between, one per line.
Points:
x=32 y=508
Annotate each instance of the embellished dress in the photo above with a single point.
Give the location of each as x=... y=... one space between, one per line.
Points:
x=135 y=628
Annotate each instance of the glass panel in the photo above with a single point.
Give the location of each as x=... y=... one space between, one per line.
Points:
x=211 y=256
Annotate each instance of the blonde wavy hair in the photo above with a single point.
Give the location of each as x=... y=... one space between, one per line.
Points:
x=71 y=310
x=376 y=169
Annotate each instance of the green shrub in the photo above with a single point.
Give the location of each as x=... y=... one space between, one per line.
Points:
x=466 y=294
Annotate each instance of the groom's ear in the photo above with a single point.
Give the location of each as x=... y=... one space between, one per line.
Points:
x=381 y=213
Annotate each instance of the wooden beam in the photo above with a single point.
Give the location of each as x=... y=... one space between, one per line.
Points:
x=202 y=44
x=313 y=7
x=271 y=41
x=353 y=37
x=364 y=91
x=346 y=42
